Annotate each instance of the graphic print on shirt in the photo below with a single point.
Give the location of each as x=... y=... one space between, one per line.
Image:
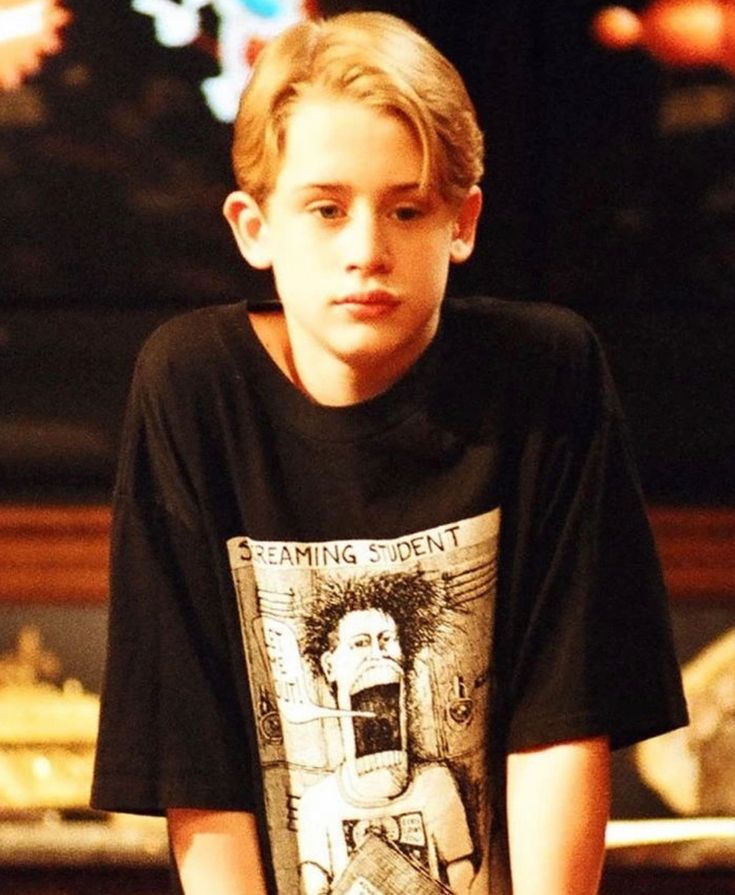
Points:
x=369 y=667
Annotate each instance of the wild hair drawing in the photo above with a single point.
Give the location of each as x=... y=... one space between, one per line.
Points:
x=373 y=709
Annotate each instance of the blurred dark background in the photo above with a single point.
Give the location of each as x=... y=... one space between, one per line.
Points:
x=610 y=188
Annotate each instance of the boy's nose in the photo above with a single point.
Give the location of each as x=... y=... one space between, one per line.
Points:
x=367 y=245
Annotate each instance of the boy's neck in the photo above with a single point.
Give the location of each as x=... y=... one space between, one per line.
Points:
x=331 y=382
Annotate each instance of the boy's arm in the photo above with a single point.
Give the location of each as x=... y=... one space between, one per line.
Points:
x=216 y=851
x=558 y=807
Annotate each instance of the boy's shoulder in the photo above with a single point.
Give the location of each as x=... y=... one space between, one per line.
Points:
x=520 y=328
x=190 y=343
x=540 y=362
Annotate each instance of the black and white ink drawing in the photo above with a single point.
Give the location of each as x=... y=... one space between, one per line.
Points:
x=369 y=666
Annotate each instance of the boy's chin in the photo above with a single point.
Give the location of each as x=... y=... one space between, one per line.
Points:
x=348 y=361
x=379 y=354
x=378 y=341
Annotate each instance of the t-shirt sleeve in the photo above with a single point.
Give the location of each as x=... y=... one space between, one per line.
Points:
x=172 y=730
x=583 y=640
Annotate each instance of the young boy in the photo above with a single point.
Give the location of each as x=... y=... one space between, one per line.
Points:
x=383 y=591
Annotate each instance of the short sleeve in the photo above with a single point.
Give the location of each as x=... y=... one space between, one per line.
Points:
x=583 y=639
x=172 y=729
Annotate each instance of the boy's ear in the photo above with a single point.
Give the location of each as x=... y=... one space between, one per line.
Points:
x=249 y=228
x=465 y=226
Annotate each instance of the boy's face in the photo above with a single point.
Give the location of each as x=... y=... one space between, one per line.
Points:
x=360 y=254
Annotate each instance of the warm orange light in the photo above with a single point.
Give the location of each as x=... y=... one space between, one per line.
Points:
x=685 y=32
x=678 y=32
x=728 y=39
x=617 y=28
x=28 y=32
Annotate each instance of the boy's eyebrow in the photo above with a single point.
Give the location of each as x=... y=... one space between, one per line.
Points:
x=410 y=187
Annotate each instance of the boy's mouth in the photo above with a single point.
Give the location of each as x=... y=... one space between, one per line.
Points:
x=369 y=304
x=370 y=297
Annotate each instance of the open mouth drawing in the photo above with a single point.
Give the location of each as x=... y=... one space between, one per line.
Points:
x=382 y=731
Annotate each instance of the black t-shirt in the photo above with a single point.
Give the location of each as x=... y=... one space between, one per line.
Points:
x=343 y=618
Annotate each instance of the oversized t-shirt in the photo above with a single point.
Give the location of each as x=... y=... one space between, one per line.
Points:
x=343 y=618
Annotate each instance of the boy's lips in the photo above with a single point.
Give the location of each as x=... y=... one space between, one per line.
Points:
x=369 y=304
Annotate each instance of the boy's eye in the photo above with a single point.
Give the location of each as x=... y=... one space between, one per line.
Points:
x=407 y=212
x=328 y=211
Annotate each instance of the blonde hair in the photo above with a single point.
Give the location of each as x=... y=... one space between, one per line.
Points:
x=373 y=58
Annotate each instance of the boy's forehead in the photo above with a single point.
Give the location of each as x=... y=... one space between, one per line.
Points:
x=330 y=142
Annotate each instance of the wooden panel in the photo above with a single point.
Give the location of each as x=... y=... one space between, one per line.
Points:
x=54 y=554
x=697 y=549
